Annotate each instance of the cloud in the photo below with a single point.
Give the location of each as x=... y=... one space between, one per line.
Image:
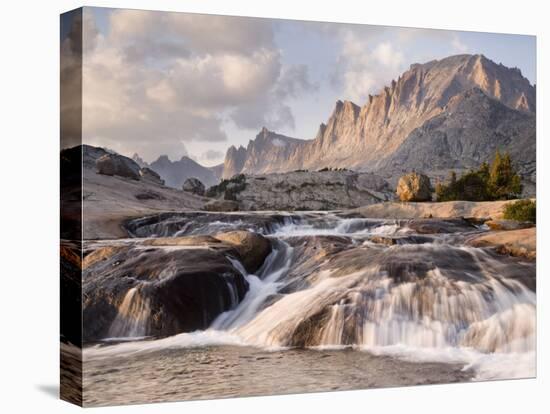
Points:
x=212 y=155
x=155 y=80
x=270 y=110
x=458 y=45
x=366 y=65
x=371 y=57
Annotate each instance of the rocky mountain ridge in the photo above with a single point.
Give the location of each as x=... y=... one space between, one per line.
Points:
x=174 y=173
x=371 y=137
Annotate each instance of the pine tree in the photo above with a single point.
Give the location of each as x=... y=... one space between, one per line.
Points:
x=503 y=181
x=497 y=181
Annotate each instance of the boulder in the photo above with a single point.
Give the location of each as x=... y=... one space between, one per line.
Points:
x=148 y=174
x=508 y=224
x=414 y=187
x=253 y=248
x=194 y=186
x=221 y=205
x=115 y=164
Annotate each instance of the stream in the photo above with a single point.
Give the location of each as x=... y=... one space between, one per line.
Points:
x=340 y=303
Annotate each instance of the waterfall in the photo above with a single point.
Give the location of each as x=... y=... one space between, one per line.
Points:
x=133 y=316
x=327 y=284
x=369 y=309
x=261 y=287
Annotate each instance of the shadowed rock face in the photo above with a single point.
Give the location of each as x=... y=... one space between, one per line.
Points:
x=115 y=164
x=253 y=248
x=165 y=286
x=148 y=174
x=193 y=185
x=130 y=294
x=469 y=131
x=234 y=161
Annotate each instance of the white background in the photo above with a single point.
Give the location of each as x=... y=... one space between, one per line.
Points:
x=29 y=153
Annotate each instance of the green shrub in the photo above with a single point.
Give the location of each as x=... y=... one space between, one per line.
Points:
x=498 y=181
x=522 y=210
x=228 y=188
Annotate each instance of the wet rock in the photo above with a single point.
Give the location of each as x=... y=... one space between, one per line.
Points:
x=194 y=222
x=508 y=224
x=520 y=243
x=435 y=226
x=159 y=289
x=221 y=205
x=100 y=254
x=477 y=221
x=388 y=241
x=253 y=248
x=194 y=186
x=414 y=187
x=151 y=176
x=115 y=164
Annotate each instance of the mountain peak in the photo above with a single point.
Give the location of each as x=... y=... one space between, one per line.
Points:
x=138 y=160
x=345 y=110
x=163 y=159
x=360 y=138
x=264 y=133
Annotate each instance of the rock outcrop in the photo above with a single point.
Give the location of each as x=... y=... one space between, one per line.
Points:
x=508 y=224
x=193 y=185
x=234 y=161
x=109 y=200
x=476 y=211
x=119 y=165
x=414 y=187
x=151 y=176
x=303 y=190
x=253 y=248
x=198 y=283
x=521 y=243
x=187 y=294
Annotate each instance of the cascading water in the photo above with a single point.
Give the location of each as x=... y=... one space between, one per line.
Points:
x=133 y=316
x=261 y=287
x=326 y=284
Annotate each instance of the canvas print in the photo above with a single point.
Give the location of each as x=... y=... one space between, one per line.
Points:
x=257 y=206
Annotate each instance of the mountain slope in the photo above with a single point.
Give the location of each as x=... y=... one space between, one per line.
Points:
x=470 y=130
x=175 y=173
x=268 y=152
x=366 y=138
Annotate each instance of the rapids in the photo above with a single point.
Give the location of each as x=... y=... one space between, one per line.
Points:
x=411 y=289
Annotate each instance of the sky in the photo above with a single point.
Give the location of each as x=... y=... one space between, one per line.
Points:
x=179 y=84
